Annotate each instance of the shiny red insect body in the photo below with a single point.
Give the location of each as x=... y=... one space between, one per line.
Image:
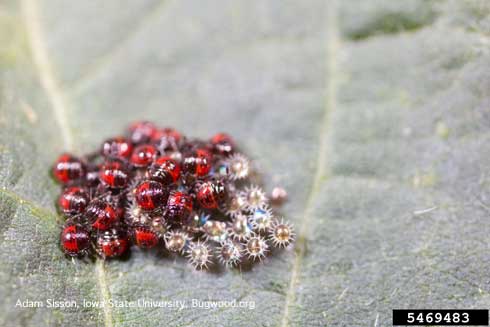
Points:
x=144 y=237
x=223 y=144
x=117 y=202
x=73 y=200
x=112 y=243
x=179 y=207
x=198 y=163
x=166 y=139
x=211 y=194
x=100 y=215
x=165 y=170
x=75 y=240
x=114 y=173
x=142 y=132
x=117 y=147
x=150 y=195
x=68 y=168
x=143 y=155
x=153 y=187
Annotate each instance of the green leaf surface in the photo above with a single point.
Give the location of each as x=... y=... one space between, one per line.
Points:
x=374 y=115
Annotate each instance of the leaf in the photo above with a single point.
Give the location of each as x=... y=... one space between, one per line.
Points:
x=373 y=116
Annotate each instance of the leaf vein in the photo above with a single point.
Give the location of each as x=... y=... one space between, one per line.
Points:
x=35 y=209
x=104 y=293
x=45 y=69
x=59 y=106
x=321 y=171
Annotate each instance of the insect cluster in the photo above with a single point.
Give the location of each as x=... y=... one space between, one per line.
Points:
x=155 y=188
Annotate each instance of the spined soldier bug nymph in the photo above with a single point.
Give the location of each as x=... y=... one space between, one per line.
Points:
x=154 y=188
